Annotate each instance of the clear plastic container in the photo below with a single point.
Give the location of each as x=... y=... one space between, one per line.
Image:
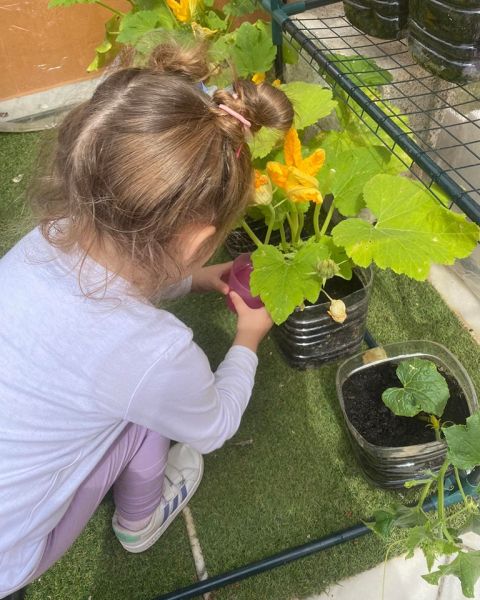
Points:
x=391 y=467
x=310 y=338
x=385 y=19
x=444 y=37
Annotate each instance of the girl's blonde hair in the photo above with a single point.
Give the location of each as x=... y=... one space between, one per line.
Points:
x=150 y=155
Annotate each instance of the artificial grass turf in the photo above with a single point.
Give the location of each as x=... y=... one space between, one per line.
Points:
x=288 y=476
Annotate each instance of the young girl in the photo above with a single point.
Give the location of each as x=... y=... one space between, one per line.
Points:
x=146 y=180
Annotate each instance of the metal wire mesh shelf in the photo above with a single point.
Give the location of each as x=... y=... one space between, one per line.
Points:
x=435 y=122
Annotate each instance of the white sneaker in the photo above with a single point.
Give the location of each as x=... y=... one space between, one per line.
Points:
x=183 y=474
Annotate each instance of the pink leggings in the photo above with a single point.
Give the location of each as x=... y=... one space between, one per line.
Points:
x=134 y=465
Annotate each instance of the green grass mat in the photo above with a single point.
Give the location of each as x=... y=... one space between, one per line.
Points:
x=287 y=477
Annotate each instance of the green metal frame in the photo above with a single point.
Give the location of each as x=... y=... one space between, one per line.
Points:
x=281 y=23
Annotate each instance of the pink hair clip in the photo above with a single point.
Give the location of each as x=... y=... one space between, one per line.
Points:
x=235 y=114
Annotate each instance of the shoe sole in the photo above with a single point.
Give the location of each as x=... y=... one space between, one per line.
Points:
x=147 y=543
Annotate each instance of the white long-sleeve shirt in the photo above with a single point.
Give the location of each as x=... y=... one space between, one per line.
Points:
x=73 y=372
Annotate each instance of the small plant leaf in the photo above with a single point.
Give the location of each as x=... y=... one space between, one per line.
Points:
x=464 y=443
x=360 y=70
x=424 y=389
x=311 y=102
x=412 y=230
x=432 y=547
x=383 y=523
x=466 y=567
x=213 y=21
x=472 y=524
x=284 y=282
x=253 y=50
x=408 y=516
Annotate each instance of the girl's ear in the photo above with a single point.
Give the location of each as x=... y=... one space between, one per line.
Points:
x=194 y=239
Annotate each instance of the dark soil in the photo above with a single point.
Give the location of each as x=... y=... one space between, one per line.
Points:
x=337 y=287
x=362 y=393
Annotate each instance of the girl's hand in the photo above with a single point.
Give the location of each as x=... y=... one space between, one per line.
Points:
x=209 y=279
x=253 y=323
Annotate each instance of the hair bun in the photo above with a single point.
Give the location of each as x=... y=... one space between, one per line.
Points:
x=263 y=105
x=170 y=57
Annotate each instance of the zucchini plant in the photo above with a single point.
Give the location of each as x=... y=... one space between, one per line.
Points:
x=436 y=533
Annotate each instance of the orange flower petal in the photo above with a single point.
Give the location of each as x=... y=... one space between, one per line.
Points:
x=278 y=173
x=260 y=179
x=313 y=163
x=292 y=148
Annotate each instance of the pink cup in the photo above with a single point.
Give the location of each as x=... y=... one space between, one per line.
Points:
x=239 y=281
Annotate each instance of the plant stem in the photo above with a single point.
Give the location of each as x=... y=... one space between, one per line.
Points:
x=294 y=225
x=316 y=222
x=328 y=218
x=251 y=235
x=270 y=227
x=301 y=222
x=283 y=237
x=110 y=8
x=441 y=498
x=459 y=484
x=424 y=494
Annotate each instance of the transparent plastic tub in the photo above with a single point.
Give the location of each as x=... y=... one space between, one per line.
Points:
x=444 y=37
x=384 y=19
x=391 y=467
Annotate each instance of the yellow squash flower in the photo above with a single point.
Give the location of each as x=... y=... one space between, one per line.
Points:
x=183 y=9
x=297 y=175
x=263 y=189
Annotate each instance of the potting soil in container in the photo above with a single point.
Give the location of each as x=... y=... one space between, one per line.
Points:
x=444 y=37
x=362 y=393
x=385 y=19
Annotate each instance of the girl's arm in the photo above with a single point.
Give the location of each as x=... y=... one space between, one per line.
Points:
x=182 y=399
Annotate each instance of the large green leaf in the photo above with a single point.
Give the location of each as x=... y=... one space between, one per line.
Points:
x=136 y=25
x=424 y=389
x=264 y=141
x=284 y=282
x=253 y=50
x=464 y=443
x=311 y=102
x=412 y=230
x=352 y=170
x=466 y=567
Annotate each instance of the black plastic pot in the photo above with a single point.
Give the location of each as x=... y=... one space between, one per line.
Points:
x=391 y=467
x=385 y=19
x=310 y=337
x=444 y=37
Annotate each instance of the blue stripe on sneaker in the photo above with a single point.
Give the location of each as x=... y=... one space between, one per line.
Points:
x=183 y=489
x=166 y=512
x=175 y=503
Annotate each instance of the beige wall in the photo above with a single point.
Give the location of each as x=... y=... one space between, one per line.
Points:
x=42 y=48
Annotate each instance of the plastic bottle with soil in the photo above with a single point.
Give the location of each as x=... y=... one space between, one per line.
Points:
x=385 y=19
x=444 y=37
